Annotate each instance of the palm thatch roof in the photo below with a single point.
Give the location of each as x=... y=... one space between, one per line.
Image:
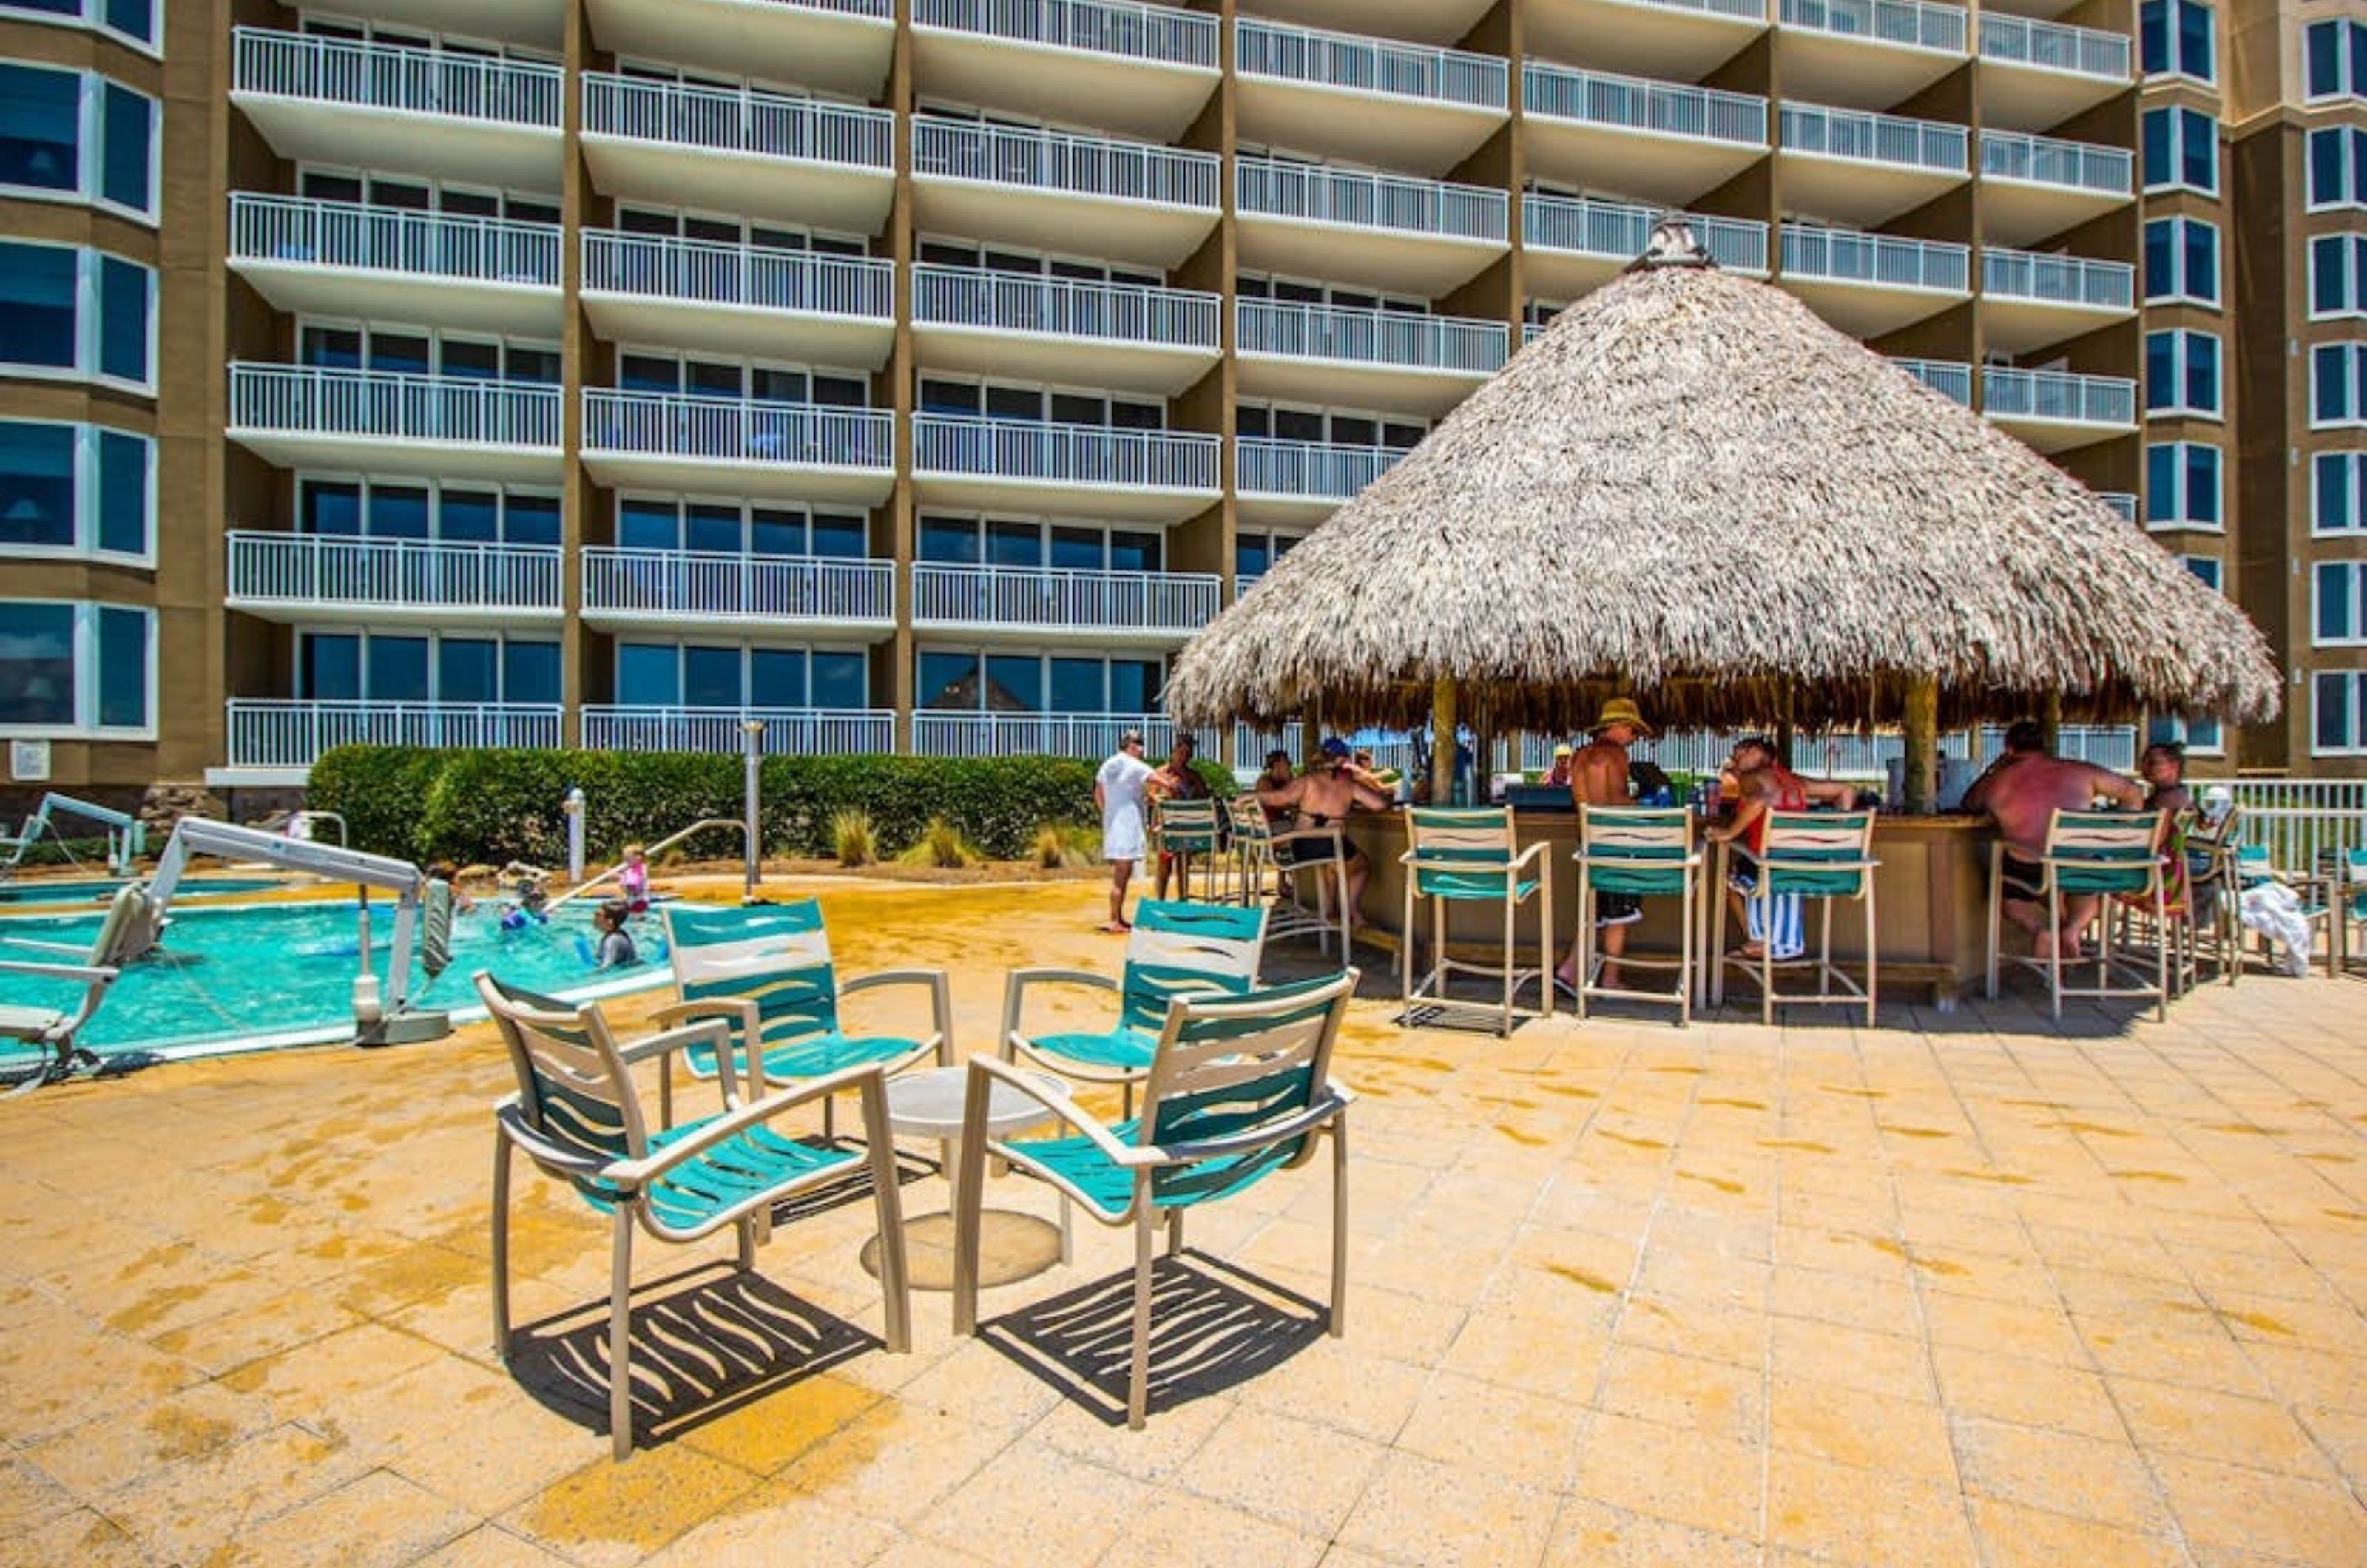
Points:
x=1692 y=489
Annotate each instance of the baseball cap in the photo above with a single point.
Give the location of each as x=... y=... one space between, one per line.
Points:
x=1335 y=746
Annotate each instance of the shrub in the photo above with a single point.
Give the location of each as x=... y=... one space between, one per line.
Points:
x=941 y=844
x=1059 y=845
x=854 y=841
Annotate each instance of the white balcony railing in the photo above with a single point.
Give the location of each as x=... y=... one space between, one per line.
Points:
x=735 y=430
x=267 y=732
x=703 y=272
x=1367 y=65
x=1619 y=231
x=2054 y=46
x=799 y=732
x=291 y=230
x=301 y=399
x=698 y=582
x=1159 y=34
x=2058 y=280
x=1909 y=23
x=1633 y=103
x=1043 y=596
x=1311 y=470
x=1072 y=165
x=746 y=120
x=1370 y=337
x=2058 y=395
x=313 y=568
x=1875 y=138
x=939 y=734
x=390 y=76
x=2048 y=161
x=1949 y=378
x=1063 y=454
x=1026 y=302
x=1271 y=189
x=1845 y=256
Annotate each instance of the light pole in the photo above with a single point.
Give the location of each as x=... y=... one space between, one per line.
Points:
x=572 y=806
x=753 y=752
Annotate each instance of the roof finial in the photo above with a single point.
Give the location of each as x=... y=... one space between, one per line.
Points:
x=1673 y=244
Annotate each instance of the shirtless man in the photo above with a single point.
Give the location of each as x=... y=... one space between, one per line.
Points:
x=1764 y=785
x=1321 y=797
x=2020 y=791
x=1598 y=777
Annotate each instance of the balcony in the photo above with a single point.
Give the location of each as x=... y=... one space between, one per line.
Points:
x=2055 y=411
x=1140 y=69
x=1422 y=237
x=1867 y=168
x=691 y=590
x=323 y=579
x=1123 y=337
x=1286 y=482
x=419 y=111
x=940 y=734
x=1136 y=476
x=534 y=24
x=2029 y=300
x=1391 y=360
x=796 y=305
x=1658 y=140
x=333 y=258
x=1673 y=40
x=1869 y=284
x=274 y=741
x=2036 y=187
x=746 y=151
x=1127 y=201
x=1575 y=246
x=803 y=451
x=298 y=416
x=1037 y=605
x=788 y=732
x=1868 y=54
x=1398 y=106
x=831 y=46
x=2036 y=75
x=1950 y=378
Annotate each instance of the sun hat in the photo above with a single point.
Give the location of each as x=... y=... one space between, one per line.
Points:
x=1620 y=710
x=1563 y=749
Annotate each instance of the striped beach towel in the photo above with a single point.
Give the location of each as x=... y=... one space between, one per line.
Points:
x=1784 y=912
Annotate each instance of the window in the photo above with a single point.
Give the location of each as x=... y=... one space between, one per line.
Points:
x=73 y=135
x=2181 y=151
x=408 y=668
x=2338 y=167
x=2339 y=492
x=70 y=311
x=2337 y=276
x=1000 y=542
x=417 y=509
x=968 y=681
x=133 y=21
x=2338 y=591
x=2182 y=260
x=76 y=668
x=2182 y=374
x=2339 y=713
x=2176 y=38
x=1255 y=553
x=1035 y=405
x=2206 y=571
x=416 y=352
x=2334 y=58
x=76 y=490
x=701 y=675
x=665 y=523
x=2197 y=735
x=2182 y=485
x=2338 y=384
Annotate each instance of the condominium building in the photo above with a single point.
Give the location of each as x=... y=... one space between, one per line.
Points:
x=920 y=374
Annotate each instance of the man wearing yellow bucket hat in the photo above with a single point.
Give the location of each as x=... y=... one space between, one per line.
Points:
x=1598 y=777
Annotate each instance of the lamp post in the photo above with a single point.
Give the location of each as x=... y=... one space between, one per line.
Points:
x=752 y=730
x=572 y=806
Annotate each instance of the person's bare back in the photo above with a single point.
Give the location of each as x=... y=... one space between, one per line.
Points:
x=1598 y=774
x=2023 y=796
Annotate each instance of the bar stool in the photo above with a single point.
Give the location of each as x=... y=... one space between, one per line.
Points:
x=1461 y=855
x=2089 y=854
x=1187 y=830
x=1643 y=853
x=1258 y=848
x=1824 y=855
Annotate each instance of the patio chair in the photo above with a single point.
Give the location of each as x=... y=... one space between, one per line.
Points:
x=1469 y=855
x=2214 y=926
x=2349 y=929
x=577 y=1115
x=37 y=1043
x=1239 y=1088
x=1249 y=866
x=1177 y=950
x=1187 y=829
x=2099 y=853
x=1645 y=852
x=765 y=970
x=1824 y=855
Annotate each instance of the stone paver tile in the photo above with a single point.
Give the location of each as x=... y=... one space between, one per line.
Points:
x=1422 y=1510
x=490 y=1546
x=29 y=1496
x=2088 y=1478
x=1652 y=1470
x=1869 y=1431
x=1716 y=1398
x=55 y=1389
x=894 y=1460
x=2343 y=1434
x=377 y=1521
x=1179 y=1529
x=2172 y=1345
x=609 y=1512
x=2256 y=1433
x=1837 y=1513
x=183 y=1511
x=1167 y=1443
x=279 y=1323
x=118 y=1449
x=978 y=1383
x=2338 y=1383
x=1364 y=1394
x=1528 y=1437
x=2028 y=1393
x=2278 y=1516
x=1329 y=1469
x=422 y=1272
x=776 y=1523
x=1853 y=1301
x=2012 y=1535
x=1538 y=1354
x=1588 y=1534
x=1737 y=1335
x=768 y=1433
x=493 y=1446
x=83 y=1539
x=1074 y=1510
x=1889 y=1364
x=2033 y=1329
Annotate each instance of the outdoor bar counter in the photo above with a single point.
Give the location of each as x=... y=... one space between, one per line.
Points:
x=1931 y=900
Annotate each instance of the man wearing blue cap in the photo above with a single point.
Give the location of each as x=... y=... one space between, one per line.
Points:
x=1321 y=797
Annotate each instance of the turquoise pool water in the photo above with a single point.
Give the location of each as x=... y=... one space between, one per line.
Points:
x=283 y=973
x=44 y=892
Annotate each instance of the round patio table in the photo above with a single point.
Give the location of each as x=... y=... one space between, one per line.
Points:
x=1012 y=1245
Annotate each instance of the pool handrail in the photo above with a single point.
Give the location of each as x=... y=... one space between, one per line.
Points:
x=659 y=848
x=126 y=835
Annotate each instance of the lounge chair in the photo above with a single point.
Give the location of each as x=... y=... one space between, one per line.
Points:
x=37 y=1043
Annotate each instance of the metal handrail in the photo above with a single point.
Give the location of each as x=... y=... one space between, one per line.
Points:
x=749 y=120
x=1318 y=469
x=2046 y=160
x=1621 y=230
x=1160 y=35
x=1635 y=103
x=1369 y=337
x=270 y=62
x=1875 y=138
x=1318 y=193
x=1020 y=301
x=2070 y=280
x=1052 y=160
x=1910 y=23
x=2058 y=395
x=756 y=276
x=1067 y=454
x=295 y=231
x=2054 y=46
x=267 y=566
x=1950 y=378
x=1846 y=255
x=1351 y=60
x=651 y=582
x=396 y=405
x=946 y=593
x=736 y=429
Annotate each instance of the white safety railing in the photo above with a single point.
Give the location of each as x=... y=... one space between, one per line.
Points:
x=700 y=583
x=392 y=76
x=1367 y=65
x=1026 y=302
x=1635 y=102
x=1873 y=137
x=2058 y=395
x=2307 y=825
x=2058 y=280
x=881 y=10
x=703 y=272
x=1042 y=596
x=1370 y=337
x=1845 y=255
x=2120 y=500
x=293 y=231
x=1072 y=165
x=1159 y=34
x=735 y=430
x=1312 y=470
x=311 y=569
x=745 y=120
x=1271 y=189
x=1950 y=378
x=301 y=399
x=2054 y=46
x=1619 y=231
x=946 y=445
x=1909 y=23
x=1088 y=735
x=1739 y=10
x=788 y=732
x=2050 y=161
x=269 y=732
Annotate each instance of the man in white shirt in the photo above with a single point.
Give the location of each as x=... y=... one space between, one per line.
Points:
x=1117 y=792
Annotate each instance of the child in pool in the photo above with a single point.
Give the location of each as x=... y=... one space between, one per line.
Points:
x=633 y=880
x=616 y=949
x=529 y=906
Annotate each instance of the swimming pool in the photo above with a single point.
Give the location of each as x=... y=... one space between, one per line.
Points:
x=283 y=974
x=43 y=892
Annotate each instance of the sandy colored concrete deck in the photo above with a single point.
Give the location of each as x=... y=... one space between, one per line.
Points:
x=1968 y=1290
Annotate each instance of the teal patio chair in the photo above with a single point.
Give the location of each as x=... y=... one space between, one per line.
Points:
x=1827 y=856
x=1644 y=853
x=2103 y=854
x=1469 y=855
x=1239 y=1088
x=577 y=1115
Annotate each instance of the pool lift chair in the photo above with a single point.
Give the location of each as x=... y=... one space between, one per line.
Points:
x=127 y=836
x=37 y=1043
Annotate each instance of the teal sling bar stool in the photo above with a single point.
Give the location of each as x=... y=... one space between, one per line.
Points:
x=1643 y=853
x=1469 y=855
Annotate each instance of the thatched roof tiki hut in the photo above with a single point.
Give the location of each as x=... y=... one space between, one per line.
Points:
x=1693 y=489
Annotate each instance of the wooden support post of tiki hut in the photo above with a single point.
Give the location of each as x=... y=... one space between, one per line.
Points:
x=2050 y=718
x=1442 y=743
x=1309 y=738
x=1784 y=736
x=1921 y=723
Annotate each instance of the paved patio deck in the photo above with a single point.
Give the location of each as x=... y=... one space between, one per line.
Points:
x=1962 y=1289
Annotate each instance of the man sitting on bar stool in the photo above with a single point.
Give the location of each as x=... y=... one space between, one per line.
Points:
x=2020 y=791
x=1766 y=785
x=1599 y=777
